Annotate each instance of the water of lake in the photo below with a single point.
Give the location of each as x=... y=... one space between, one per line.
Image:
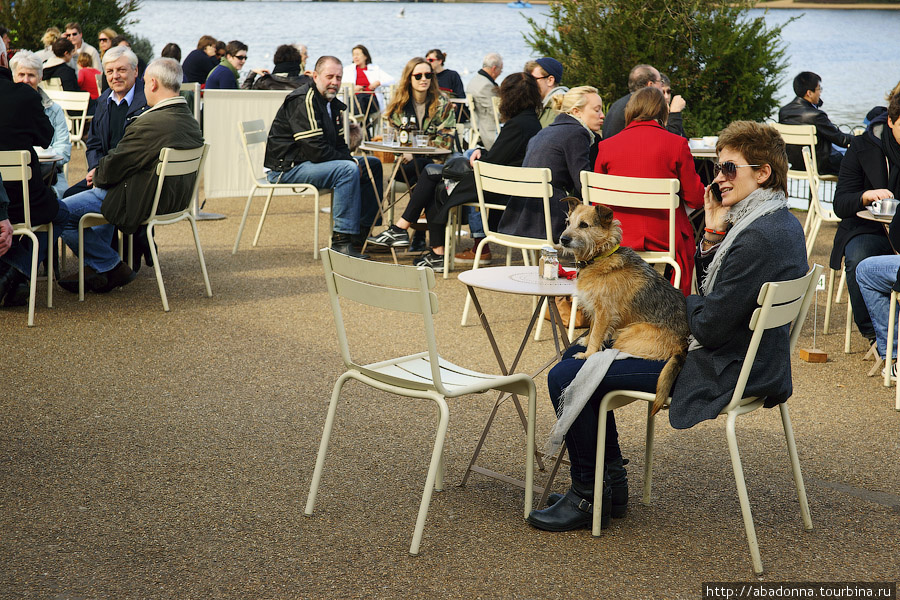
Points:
x=847 y=48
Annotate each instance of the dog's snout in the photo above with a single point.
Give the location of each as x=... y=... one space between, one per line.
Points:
x=565 y=241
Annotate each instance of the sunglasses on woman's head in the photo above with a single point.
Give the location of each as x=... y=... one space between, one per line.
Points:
x=728 y=169
x=418 y=76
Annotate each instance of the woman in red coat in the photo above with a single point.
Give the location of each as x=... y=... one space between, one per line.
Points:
x=645 y=149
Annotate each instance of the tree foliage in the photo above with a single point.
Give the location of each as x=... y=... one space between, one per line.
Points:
x=27 y=20
x=726 y=65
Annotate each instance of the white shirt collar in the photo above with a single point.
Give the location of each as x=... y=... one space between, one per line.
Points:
x=129 y=96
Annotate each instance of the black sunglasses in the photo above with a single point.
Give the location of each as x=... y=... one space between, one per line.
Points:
x=418 y=76
x=728 y=169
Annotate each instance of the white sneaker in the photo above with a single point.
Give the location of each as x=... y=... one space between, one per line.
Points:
x=893 y=371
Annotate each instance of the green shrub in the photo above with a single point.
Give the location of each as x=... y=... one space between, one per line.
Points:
x=142 y=46
x=725 y=64
x=27 y=20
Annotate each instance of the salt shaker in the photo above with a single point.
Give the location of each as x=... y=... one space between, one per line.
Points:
x=549 y=263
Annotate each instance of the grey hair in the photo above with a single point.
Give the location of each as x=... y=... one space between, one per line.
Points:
x=167 y=72
x=117 y=52
x=492 y=60
x=27 y=60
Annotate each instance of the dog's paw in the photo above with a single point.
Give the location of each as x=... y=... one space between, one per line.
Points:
x=580 y=356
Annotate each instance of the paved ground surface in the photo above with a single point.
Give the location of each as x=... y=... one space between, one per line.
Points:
x=154 y=455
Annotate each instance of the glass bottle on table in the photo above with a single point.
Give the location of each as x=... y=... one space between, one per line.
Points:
x=403 y=134
x=413 y=130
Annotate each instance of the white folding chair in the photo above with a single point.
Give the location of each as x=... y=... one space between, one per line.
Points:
x=888 y=358
x=523 y=182
x=254 y=135
x=15 y=166
x=172 y=163
x=422 y=375
x=805 y=137
x=75 y=107
x=474 y=133
x=54 y=83
x=780 y=303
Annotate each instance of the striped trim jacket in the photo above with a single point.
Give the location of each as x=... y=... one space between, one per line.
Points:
x=303 y=132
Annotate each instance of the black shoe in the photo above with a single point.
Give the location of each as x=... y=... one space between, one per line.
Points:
x=418 y=244
x=340 y=242
x=92 y=281
x=18 y=296
x=574 y=511
x=119 y=276
x=10 y=280
x=435 y=261
x=391 y=237
x=616 y=478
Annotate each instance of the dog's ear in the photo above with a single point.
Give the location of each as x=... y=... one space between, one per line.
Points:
x=604 y=215
x=571 y=201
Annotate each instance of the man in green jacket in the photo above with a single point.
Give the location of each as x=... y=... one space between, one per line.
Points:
x=125 y=179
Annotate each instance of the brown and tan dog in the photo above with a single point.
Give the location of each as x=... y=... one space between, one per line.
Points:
x=628 y=300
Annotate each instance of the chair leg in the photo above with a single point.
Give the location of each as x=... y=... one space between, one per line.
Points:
x=32 y=284
x=262 y=217
x=51 y=253
x=200 y=256
x=648 y=454
x=316 y=227
x=742 y=494
x=529 y=449
x=240 y=232
x=841 y=284
x=888 y=357
x=159 y=279
x=596 y=526
x=848 y=327
x=572 y=317
x=323 y=445
x=829 y=295
x=540 y=324
x=795 y=466
x=468 y=303
x=433 y=468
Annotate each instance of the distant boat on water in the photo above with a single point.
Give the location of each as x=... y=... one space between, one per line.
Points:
x=519 y=4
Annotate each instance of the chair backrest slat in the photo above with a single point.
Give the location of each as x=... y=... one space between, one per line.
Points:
x=409 y=301
x=252 y=134
x=524 y=182
x=800 y=135
x=174 y=162
x=15 y=166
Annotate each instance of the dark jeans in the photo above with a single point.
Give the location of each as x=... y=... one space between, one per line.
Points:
x=581 y=439
x=19 y=255
x=423 y=195
x=858 y=249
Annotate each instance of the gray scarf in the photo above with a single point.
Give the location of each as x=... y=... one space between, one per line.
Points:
x=760 y=202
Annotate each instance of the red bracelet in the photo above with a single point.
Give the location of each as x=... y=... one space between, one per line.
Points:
x=713 y=231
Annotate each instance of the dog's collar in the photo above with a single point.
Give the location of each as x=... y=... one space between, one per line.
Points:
x=580 y=264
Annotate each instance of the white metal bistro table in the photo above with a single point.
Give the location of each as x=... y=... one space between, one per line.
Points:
x=388 y=203
x=523 y=281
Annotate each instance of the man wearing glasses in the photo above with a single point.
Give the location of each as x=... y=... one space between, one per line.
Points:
x=74 y=35
x=640 y=76
x=225 y=76
x=804 y=110
x=548 y=73
x=484 y=88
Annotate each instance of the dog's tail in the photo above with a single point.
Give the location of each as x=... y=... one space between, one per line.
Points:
x=666 y=380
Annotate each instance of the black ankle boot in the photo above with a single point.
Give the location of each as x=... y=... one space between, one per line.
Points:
x=616 y=478
x=10 y=280
x=341 y=242
x=574 y=511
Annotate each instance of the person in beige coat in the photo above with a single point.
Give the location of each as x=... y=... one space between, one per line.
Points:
x=483 y=88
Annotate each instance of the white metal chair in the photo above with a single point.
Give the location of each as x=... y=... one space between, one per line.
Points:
x=523 y=182
x=889 y=358
x=54 y=83
x=780 y=303
x=495 y=104
x=422 y=375
x=805 y=137
x=172 y=163
x=474 y=133
x=253 y=135
x=75 y=107
x=15 y=166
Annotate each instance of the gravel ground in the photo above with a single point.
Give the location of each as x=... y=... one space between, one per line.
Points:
x=168 y=455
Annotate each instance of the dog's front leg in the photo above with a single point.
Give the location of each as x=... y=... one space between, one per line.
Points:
x=599 y=326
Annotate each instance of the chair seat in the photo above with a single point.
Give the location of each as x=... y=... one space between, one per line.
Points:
x=262 y=182
x=414 y=372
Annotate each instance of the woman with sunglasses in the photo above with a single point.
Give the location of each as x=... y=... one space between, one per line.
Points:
x=448 y=80
x=750 y=238
x=645 y=149
x=226 y=75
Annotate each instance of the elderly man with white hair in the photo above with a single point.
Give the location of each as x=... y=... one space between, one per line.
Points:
x=484 y=88
x=27 y=68
x=124 y=181
x=120 y=103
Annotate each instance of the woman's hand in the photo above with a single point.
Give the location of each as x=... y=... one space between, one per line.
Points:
x=475 y=156
x=713 y=211
x=260 y=72
x=358 y=89
x=870 y=196
x=5 y=236
x=374 y=85
x=406 y=157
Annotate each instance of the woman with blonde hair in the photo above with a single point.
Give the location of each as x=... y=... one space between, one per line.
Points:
x=50 y=36
x=104 y=40
x=646 y=149
x=564 y=148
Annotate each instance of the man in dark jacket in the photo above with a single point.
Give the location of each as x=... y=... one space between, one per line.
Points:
x=804 y=110
x=116 y=107
x=125 y=179
x=24 y=125
x=306 y=145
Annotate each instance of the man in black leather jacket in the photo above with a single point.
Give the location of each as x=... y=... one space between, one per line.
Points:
x=804 y=110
